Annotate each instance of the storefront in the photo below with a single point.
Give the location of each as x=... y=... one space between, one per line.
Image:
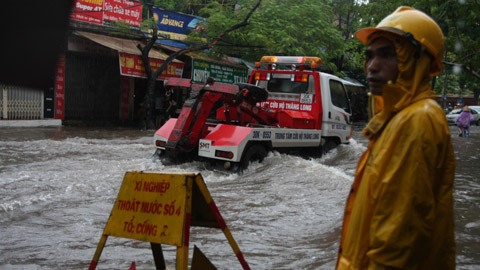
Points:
x=102 y=79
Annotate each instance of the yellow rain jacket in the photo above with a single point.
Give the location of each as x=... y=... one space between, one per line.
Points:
x=399 y=213
x=375 y=105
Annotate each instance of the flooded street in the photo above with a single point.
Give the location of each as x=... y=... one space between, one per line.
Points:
x=58 y=186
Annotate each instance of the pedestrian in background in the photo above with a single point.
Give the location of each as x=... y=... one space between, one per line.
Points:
x=159 y=108
x=170 y=104
x=463 y=122
x=399 y=213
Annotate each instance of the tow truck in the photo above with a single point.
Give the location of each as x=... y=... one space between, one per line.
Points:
x=287 y=104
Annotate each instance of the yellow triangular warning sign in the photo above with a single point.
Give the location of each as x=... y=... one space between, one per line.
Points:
x=160 y=208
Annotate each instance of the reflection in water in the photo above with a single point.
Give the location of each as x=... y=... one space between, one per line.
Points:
x=58 y=186
x=467 y=198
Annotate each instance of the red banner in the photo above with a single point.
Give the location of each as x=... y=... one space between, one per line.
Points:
x=60 y=89
x=108 y=11
x=88 y=11
x=132 y=65
x=122 y=10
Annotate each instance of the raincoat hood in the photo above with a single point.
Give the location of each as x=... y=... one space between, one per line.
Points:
x=412 y=82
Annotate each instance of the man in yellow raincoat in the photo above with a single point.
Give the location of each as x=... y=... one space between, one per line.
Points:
x=399 y=213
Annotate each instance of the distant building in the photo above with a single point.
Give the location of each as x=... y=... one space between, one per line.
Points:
x=100 y=76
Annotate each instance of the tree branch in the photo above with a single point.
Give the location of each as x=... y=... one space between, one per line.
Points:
x=208 y=45
x=469 y=69
x=153 y=75
x=468 y=56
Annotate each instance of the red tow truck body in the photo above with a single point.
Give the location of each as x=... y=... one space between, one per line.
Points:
x=287 y=105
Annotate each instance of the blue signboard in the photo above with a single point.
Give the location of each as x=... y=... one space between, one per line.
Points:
x=176 y=25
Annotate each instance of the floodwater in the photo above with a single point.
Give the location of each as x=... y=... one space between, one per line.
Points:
x=58 y=186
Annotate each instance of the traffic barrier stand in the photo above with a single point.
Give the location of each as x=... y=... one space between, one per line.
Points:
x=160 y=208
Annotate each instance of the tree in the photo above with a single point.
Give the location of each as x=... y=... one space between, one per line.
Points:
x=326 y=29
x=279 y=27
x=152 y=75
x=184 y=6
x=168 y=4
x=460 y=22
x=348 y=18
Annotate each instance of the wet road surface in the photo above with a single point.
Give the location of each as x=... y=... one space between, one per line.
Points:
x=58 y=186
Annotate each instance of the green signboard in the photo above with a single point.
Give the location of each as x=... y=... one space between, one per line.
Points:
x=222 y=73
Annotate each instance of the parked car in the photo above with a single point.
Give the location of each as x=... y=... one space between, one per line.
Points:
x=452 y=116
x=476 y=108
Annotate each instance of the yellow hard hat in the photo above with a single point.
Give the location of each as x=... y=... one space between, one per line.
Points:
x=408 y=22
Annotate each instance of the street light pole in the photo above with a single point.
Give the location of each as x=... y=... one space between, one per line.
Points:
x=444 y=98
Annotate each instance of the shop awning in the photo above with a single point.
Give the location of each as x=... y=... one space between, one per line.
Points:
x=130 y=56
x=123 y=45
x=195 y=55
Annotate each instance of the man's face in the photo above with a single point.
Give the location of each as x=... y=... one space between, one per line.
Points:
x=381 y=64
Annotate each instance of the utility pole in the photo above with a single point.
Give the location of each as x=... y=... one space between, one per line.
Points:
x=444 y=98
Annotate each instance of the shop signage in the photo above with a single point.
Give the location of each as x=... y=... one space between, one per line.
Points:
x=108 y=12
x=176 y=25
x=132 y=65
x=201 y=70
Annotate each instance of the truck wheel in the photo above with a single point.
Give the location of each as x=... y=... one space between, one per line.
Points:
x=253 y=153
x=328 y=146
x=157 y=154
